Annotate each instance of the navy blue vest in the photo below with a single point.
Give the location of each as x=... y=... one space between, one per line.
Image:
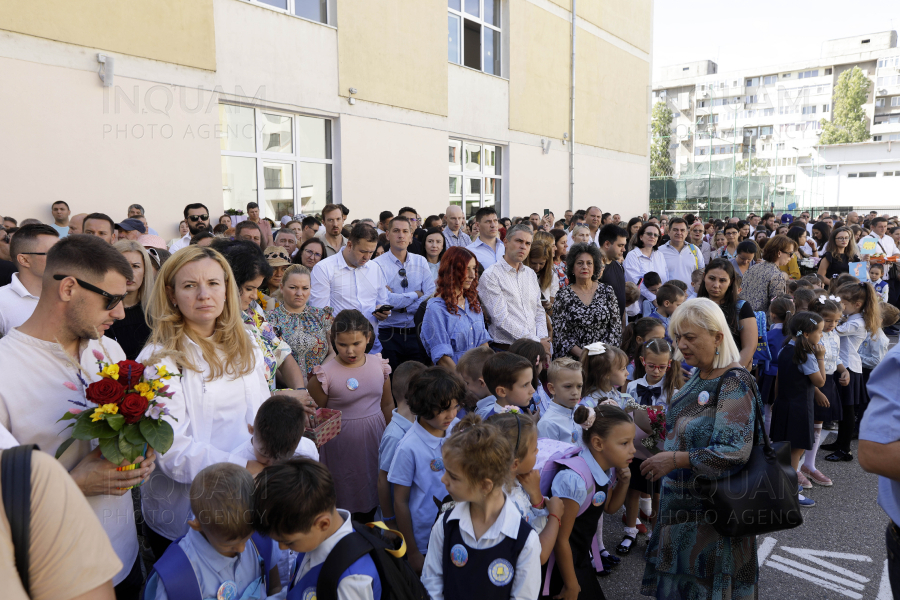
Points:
x=483 y=574
x=305 y=588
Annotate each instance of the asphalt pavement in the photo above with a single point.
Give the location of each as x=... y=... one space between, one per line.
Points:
x=837 y=554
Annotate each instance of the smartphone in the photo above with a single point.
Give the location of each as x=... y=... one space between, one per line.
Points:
x=546 y=211
x=383 y=309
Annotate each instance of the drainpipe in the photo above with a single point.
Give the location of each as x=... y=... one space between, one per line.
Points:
x=572 y=114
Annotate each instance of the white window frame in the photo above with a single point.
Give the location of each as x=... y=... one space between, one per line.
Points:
x=290 y=10
x=463 y=16
x=465 y=175
x=293 y=159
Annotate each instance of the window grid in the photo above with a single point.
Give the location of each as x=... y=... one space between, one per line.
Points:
x=475 y=175
x=303 y=9
x=458 y=15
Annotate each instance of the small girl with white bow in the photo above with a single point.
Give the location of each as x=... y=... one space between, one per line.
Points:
x=604 y=368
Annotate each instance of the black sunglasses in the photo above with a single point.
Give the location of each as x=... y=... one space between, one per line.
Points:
x=195 y=218
x=114 y=299
x=405 y=283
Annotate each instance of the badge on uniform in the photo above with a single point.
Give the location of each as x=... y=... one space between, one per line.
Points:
x=437 y=465
x=352 y=384
x=309 y=594
x=500 y=572
x=227 y=591
x=459 y=556
x=574 y=437
x=599 y=498
x=703 y=398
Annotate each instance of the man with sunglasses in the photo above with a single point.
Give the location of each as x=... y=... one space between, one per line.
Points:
x=409 y=280
x=29 y=249
x=52 y=352
x=197 y=218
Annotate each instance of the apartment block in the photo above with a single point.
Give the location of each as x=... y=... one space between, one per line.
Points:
x=297 y=103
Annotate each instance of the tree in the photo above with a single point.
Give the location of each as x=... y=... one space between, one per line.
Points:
x=661 y=130
x=756 y=167
x=849 y=121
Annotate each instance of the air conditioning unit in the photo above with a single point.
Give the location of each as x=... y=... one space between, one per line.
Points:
x=704 y=94
x=882 y=92
x=765 y=136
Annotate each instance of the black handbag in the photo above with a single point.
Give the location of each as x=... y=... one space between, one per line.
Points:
x=15 y=471
x=760 y=498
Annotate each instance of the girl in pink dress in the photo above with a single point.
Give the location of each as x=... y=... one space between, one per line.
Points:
x=356 y=384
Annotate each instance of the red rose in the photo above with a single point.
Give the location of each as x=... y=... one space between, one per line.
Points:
x=105 y=391
x=133 y=407
x=130 y=373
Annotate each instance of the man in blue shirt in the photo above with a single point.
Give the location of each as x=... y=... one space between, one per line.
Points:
x=879 y=449
x=487 y=247
x=408 y=280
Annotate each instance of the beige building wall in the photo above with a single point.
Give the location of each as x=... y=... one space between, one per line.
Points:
x=171 y=31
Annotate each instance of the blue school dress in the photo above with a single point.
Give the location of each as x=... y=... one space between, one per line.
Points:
x=793 y=412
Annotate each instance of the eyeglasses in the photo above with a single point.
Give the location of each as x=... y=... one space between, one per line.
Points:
x=651 y=234
x=652 y=367
x=114 y=299
x=842 y=239
x=312 y=254
x=405 y=282
x=195 y=218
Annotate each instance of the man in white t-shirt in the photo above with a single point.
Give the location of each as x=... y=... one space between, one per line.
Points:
x=28 y=250
x=55 y=351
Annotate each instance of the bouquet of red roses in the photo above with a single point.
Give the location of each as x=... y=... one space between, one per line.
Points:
x=122 y=411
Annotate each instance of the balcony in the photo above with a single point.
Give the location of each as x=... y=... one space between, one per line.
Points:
x=893 y=126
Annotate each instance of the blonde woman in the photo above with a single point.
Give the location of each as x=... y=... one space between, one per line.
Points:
x=219 y=382
x=133 y=331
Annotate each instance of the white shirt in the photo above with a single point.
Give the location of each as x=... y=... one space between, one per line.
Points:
x=179 y=244
x=513 y=300
x=33 y=396
x=351 y=587
x=306 y=448
x=887 y=242
x=336 y=284
x=680 y=265
x=211 y=427
x=637 y=265
x=17 y=304
x=526 y=583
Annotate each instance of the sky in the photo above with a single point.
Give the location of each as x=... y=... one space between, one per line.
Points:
x=738 y=35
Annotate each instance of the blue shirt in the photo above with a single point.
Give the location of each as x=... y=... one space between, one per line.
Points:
x=558 y=423
x=484 y=406
x=484 y=254
x=881 y=423
x=775 y=337
x=810 y=366
x=461 y=239
x=405 y=300
x=871 y=352
x=569 y=484
x=390 y=439
x=444 y=334
x=419 y=466
x=665 y=322
x=212 y=569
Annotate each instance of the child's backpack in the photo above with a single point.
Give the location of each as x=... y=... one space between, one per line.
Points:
x=763 y=352
x=177 y=575
x=398 y=580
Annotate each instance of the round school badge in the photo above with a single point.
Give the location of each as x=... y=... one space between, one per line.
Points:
x=459 y=556
x=309 y=594
x=574 y=437
x=227 y=591
x=500 y=572
x=703 y=398
x=437 y=465
x=598 y=499
x=352 y=384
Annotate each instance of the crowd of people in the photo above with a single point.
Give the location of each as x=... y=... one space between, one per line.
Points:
x=495 y=379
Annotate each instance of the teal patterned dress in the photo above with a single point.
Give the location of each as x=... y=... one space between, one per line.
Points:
x=686 y=558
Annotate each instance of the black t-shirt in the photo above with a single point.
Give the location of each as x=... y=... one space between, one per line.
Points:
x=614 y=277
x=745 y=312
x=7 y=269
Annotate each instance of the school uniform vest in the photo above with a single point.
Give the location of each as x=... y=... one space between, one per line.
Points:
x=485 y=574
x=305 y=588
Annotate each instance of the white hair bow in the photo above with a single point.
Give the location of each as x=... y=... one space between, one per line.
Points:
x=592 y=416
x=822 y=299
x=835 y=298
x=595 y=348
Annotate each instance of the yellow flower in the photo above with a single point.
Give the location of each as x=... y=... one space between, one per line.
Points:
x=106 y=409
x=156 y=384
x=261 y=299
x=110 y=371
x=162 y=372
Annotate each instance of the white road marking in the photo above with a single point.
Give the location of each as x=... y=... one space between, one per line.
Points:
x=884 y=590
x=815 y=580
x=813 y=571
x=764 y=549
x=811 y=556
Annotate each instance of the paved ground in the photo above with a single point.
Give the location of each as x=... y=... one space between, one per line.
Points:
x=846 y=520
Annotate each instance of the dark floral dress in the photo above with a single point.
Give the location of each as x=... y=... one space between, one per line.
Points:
x=575 y=324
x=306 y=333
x=686 y=558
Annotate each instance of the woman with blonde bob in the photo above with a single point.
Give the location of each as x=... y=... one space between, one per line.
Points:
x=218 y=382
x=133 y=331
x=712 y=429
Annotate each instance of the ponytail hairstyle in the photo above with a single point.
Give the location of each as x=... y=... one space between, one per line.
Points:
x=824 y=305
x=481 y=452
x=535 y=353
x=350 y=320
x=802 y=323
x=782 y=308
x=864 y=292
x=518 y=428
x=596 y=369
x=606 y=417
x=672 y=380
x=641 y=328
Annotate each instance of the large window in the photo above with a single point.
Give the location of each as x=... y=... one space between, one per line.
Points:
x=314 y=10
x=290 y=155
x=475 y=175
x=474 y=35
